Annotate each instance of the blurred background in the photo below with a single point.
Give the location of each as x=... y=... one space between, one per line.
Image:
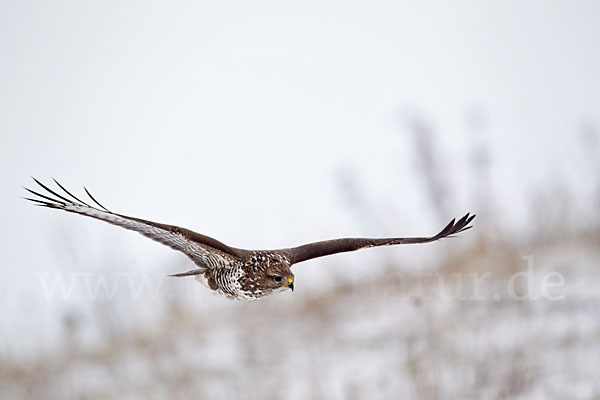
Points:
x=266 y=125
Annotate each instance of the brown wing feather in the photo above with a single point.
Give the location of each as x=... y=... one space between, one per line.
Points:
x=196 y=237
x=203 y=250
x=328 y=247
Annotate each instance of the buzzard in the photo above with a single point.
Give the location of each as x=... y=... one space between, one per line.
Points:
x=228 y=271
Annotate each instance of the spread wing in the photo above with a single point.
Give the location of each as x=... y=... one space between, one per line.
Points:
x=327 y=247
x=204 y=251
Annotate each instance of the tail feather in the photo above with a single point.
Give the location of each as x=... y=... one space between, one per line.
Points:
x=190 y=273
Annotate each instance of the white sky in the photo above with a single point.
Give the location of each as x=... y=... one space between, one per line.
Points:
x=233 y=118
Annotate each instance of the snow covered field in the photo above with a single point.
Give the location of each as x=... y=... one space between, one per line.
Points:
x=398 y=335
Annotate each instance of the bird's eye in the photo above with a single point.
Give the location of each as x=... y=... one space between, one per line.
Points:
x=278 y=279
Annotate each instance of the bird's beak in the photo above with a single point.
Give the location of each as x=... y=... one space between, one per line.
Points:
x=291 y=284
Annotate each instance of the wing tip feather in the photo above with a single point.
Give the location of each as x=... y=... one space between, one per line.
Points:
x=456 y=227
x=94 y=200
x=60 y=201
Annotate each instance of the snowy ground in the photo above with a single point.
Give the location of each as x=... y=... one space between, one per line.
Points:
x=399 y=335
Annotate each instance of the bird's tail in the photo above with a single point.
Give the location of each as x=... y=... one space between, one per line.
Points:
x=190 y=273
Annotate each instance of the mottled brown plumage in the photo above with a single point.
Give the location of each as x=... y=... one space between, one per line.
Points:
x=228 y=271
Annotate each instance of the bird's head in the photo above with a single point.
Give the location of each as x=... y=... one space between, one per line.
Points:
x=266 y=274
x=278 y=276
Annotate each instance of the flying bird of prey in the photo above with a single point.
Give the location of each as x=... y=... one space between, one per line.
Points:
x=228 y=271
